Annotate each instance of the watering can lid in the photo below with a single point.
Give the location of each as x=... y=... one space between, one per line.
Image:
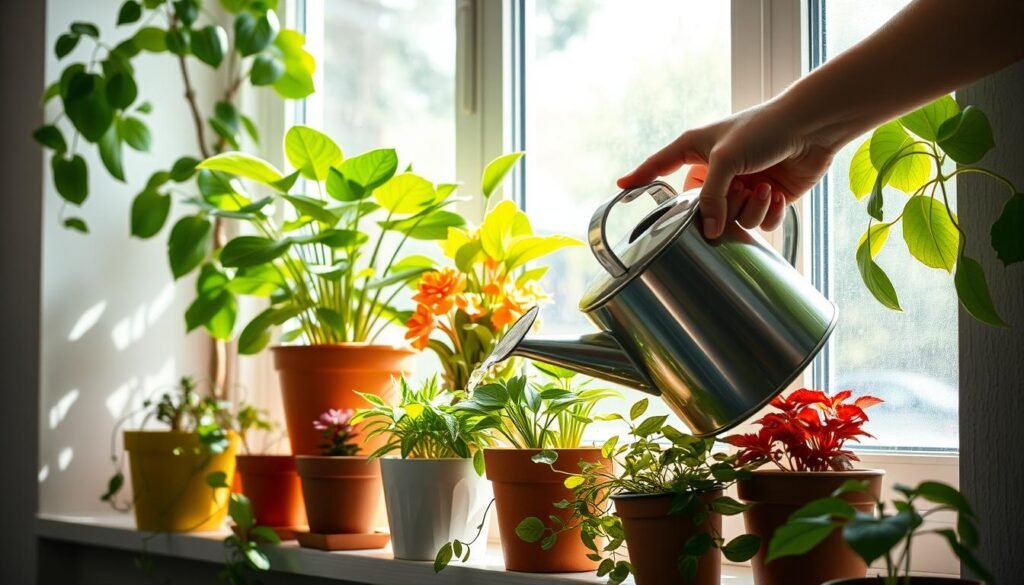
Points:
x=647 y=240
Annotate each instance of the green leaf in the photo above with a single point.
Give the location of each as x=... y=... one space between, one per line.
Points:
x=967 y=136
x=144 y=108
x=51 y=91
x=178 y=40
x=65 y=44
x=799 y=536
x=216 y=312
x=926 y=120
x=496 y=171
x=149 y=213
x=1008 y=231
x=189 y=243
x=524 y=249
x=252 y=250
x=311 y=152
x=210 y=44
x=121 y=90
x=944 y=495
x=254 y=134
x=257 y=559
x=443 y=557
x=545 y=456
x=76 y=223
x=530 y=529
x=907 y=174
x=370 y=169
x=827 y=507
x=255 y=33
x=638 y=409
x=875 y=279
x=972 y=290
x=264 y=534
x=243 y=165
x=50 y=137
x=255 y=336
x=151 y=39
x=85 y=103
x=299 y=65
x=266 y=69
x=220 y=189
x=862 y=173
x=405 y=193
x=183 y=169
x=871 y=538
x=114 y=485
x=966 y=556
x=333 y=238
x=85 y=28
x=240 y=510
x=433 y=226
x=879 y=235
x=217 y=479
x=235 y=6
x=650 y=425
x=131 y=11
x=686 y=565
x=71 y=178
x=187 y=11
x=135 y=132
x=727 y=506
x=929 y=232
x=742 y=548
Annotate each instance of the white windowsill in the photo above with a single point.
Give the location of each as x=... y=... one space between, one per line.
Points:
x=374 y=567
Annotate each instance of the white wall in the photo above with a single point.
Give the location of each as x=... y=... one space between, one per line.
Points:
x=112 y=318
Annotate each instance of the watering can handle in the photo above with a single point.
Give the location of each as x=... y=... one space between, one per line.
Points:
x=662 y=192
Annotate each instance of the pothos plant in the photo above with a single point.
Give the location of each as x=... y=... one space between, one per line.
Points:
x=659 y=459
x=913 y=154
x=331 y=265
x=879 y=535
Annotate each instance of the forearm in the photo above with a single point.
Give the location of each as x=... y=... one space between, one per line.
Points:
x=930 y=48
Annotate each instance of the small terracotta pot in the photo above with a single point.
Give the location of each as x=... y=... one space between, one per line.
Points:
x=316 y=378
x=272 y=485
x=903 y=581
x=522 y=489
x=655 y=539
x=775 y=495
x=341 y=493
x=168 y=470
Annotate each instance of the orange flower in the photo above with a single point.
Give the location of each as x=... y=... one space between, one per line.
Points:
x=437 y=289
x=420 y=326
x=471 y=304
x=515 y=302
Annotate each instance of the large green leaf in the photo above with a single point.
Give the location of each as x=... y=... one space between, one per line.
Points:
x=71 y=177
x=405 y=193
x=524 y=249
x=216 y=310
x=799 y=537
x=131 y=11
x=370 y=169
x=121 y=90
x=862 y=173
x=221 y=189
x=875 y=279
x=135 y=133
x=1008 y=231
x=929 y=232
x=907 y=174
x=243 y=165
x=209 y=45
x=926 y=120
x=255 y=33
x=299 y=65
x=65 y=44
x=432 y=226
x=972 y=290
x=189 y=243
x=183 y=169
x=85 y=103
x=879 y=235
x=266 y=69
x=311 y=207
x=496 y=171
x=110 y=152
x=50 y=137
x=252 y=250
x=742 y=548
x=151 y=39
x=311 y=152
x=333 y=238
x=149 y=213
x=967 y=136
x=871 y=538
x=496 y=231
x=256 y=335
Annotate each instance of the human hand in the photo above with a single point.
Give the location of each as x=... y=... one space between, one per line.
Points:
x=751 y=165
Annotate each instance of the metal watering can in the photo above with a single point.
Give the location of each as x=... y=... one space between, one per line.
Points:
x=716 y=328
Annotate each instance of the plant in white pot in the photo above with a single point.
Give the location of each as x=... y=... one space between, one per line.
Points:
x=434 y=491
x=330 y=266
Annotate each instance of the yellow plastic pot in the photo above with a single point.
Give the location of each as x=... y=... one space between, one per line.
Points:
x=168 y=471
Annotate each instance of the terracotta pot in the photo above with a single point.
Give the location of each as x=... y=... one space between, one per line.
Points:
x=775 y=495
x=903 y=581
x=168 y=471
x=341 y=493
x=523 y=488
x=272 y=485
x=655 y=539
x=318 y=377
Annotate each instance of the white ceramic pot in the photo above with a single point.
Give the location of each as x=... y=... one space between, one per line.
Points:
x=431 y=502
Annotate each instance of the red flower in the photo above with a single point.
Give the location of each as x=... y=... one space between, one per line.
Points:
x=809 y=433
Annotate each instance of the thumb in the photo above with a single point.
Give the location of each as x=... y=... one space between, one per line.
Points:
x=714 y=204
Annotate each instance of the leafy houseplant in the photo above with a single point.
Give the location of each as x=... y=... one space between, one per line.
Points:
x=474 y=302
x=434 y=492
x=242 y=554
x=805 y=438
x=332 y=266
x=667 y=493
x=877 y=534
x=911 y=154
x=529 y=418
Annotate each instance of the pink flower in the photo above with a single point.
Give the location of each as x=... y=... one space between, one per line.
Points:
x=334 y=419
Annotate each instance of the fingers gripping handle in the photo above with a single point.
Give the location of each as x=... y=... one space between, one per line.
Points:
x=597 y=233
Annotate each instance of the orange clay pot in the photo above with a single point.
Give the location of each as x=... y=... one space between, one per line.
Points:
x=272 y=485
x=316 y=378
x=775 y=495
x=341 y=493
x=168 y=471
x=523 y=488
x=655 y=539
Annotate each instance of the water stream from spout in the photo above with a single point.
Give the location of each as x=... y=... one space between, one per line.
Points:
x=480 y=372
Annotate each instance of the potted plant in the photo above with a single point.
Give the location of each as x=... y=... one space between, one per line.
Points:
x=667 y=490
x=242 y=553
x=530 y=418
x=340 y=488
x=179 y=475
x=434 y=491
x=331 y=268
x=804 y=439
x=270 y=482
x=879 y=533
x=462 y=309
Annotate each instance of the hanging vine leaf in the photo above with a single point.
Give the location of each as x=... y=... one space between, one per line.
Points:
x=929 y=232
x=876 y=280
x=1008 y=231
x=972 y=289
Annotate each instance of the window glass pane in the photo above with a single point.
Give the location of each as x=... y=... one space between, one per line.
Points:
x=606 y=83
x=909 y=359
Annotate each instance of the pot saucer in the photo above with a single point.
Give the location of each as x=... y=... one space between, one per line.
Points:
x=283 y=532
x=342 y=541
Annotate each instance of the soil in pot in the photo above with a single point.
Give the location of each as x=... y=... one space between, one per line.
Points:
x=523 y=488
x=168 y=471
x=913 y=581
x=656 y=539
x=341 y=493
x=272 y=485
x=775 y=495
x=319 y=377
x=431 y=502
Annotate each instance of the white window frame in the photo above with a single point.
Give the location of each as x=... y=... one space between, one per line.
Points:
x=770 y=50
